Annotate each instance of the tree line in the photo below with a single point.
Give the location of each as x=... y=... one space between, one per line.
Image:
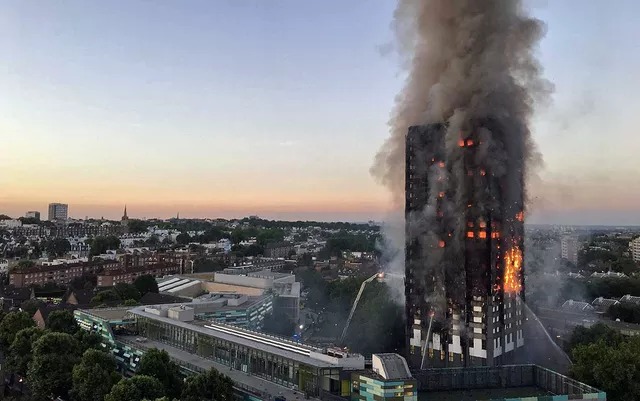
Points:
x=607 y=360
x=66 y=361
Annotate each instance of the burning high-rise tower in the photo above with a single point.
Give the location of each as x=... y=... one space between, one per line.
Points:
x=458 y=154
x=464 y=280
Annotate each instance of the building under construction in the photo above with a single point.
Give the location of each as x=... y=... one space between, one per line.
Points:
x=464 y=282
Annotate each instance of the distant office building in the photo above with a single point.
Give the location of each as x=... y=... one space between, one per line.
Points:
x=58 y=211
x=570 y=248
x=32 y=215
x=634 y=247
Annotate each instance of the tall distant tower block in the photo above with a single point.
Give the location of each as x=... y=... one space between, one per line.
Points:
x=58 y=212
x=464 y=281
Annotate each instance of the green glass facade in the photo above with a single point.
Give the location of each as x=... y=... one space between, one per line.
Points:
x=371 y=387
x=127 y=357
x=266 y=365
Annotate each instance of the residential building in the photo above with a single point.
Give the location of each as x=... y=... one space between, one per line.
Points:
x=58 y=211
x=109 y=278
x=61 y=274
x=42 y=313
x=570 y=248
x=11 y=223
x=390 y=379
x=602 y=304
x=630 y=300
x=464 y=275
x=79 y=298
x=278 y=249
x=32 y=215
x=577 y=306
x=634 y=248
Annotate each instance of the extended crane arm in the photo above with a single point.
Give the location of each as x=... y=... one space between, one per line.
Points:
x=355 y=305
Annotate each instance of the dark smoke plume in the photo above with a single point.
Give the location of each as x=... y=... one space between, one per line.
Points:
x=466 y=60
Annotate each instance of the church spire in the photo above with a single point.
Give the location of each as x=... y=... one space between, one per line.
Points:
x=124 y=216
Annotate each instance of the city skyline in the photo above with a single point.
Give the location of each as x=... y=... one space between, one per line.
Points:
x=154 y=107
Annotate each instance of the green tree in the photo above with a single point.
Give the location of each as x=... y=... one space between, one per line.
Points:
x=50 y=370
x=153 y=241
x=183 y=238
x=614 y=369
x=94 y=376
x=30 y=306
x=62 y=321
x=156 y=363
x=57 y=247
x=137 y=388
x=146 y=283
x=130 y=302
x=100 y=245
x=20 y=352
x=11 y=324
x=137 y=226
x=88 y=340
x=210 y=385
x=599 y=332
x=106 y=297
x=127 y=291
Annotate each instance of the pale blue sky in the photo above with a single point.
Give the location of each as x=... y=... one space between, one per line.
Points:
x=277 y=107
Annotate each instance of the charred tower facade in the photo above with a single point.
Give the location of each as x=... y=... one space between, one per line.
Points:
x=464 y=279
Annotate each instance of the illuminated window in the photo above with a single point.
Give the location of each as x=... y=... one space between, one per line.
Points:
x=461 y=143
x=483 y=224
x=441 y=164
x=483 y=172
x=469 y=142
x=450 y=356
x=430 y=352
x=470 y=234
x=470 y=224
x=441 y=195
x=482 y=234
x=441 y=244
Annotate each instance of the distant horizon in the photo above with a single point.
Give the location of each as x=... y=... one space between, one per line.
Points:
x=114 y=214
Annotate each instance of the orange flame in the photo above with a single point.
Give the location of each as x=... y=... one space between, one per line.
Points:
x=512 y=270
x=520 y=216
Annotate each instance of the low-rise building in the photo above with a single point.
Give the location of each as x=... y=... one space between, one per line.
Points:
x=110 y=278
x=278 y=249
x=61 y=274
x=602 y=304
x=389 y=379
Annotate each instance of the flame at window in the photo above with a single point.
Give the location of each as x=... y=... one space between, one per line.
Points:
x=513 y=270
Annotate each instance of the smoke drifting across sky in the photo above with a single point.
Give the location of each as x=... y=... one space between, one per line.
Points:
x=465 y=60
